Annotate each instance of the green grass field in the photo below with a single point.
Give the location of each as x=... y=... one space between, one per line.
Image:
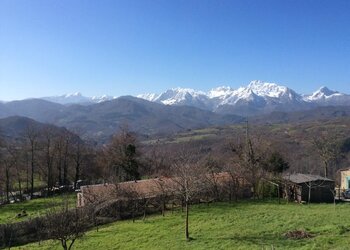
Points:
x=33 y=208
x=243 y=225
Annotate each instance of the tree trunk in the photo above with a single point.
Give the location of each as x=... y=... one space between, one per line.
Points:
x=59 y=165
x=186 y=226
x=27 y=173
x=325 y=169
x=163 y=208
x=64 y=244
x=32 y=172
x=19 y=184
x=77 y=174
x=7 y=185
x=71 y=244
x=65 y=165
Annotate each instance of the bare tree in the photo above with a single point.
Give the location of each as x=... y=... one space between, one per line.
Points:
x=66 y=225
x=248 y=163
x=328 y=149
x=7 y=163
x=48 y=157
x=78 y=156
x=32 y=137
x=14 y=161
x=186 y=182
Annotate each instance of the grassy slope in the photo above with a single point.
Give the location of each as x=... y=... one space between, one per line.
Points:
x=246 y=225
x=33 y=208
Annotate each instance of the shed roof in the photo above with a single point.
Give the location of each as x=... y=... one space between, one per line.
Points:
x=343 y=169
x=303 y=178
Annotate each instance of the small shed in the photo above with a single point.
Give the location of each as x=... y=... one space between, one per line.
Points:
x=308 y=188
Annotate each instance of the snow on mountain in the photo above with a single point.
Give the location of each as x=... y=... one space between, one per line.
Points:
x=77 y=98
x=103 y=98
x=148 y=97
x=180 y=96
x=257 y=93
x=255 y=98
x=322 y=94
x=325 y=96
x=266 y=89
x=220 y=92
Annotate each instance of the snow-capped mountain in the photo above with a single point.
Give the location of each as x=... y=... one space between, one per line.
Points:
x=256 y=97
x=77 y=98
x=180 y=96
x=325 y=96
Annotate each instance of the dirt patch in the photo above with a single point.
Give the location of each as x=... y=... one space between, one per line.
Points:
x=298 y=234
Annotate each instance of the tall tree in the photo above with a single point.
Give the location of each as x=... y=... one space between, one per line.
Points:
x=248 y=163
x=48 y=157
x=32 y=138
x=121 y=156
x=275 y=163
x=78 y=155
x=329 y=150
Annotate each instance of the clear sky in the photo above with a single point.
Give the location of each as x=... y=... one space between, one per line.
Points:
x=116 y=47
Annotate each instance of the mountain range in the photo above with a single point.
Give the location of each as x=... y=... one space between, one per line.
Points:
x=77 y=98
x=179 y=109
x=100 y=120
x=256 y=98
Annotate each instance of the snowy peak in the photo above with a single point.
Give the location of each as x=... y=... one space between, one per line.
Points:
x=257 y=97
x=178 y=96
x=322 y=94
x=149 y=97
x=267 y=89
x=258 y=92
x=103 y=98
x=67 y=98
x=77 y=98
x=326 y=91
x=220 y=92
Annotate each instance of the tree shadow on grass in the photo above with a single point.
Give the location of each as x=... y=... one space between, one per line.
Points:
x=260 y=241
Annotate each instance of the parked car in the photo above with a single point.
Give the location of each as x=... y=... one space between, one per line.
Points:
x=346 y=194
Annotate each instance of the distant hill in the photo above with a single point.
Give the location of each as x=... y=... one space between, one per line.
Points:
x=101 y=120
x=15 y=127
x=37 y=109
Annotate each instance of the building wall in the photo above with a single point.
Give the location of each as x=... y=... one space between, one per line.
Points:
x=321 y=191
x=344 y=179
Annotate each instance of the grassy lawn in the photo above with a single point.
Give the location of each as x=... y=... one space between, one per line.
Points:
x=244 y=225
x=33 y=208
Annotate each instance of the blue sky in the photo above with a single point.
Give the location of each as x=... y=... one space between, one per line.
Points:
x=128 y=47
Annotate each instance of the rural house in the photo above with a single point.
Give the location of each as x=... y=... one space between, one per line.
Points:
x=344 y=179
x=308 y=188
